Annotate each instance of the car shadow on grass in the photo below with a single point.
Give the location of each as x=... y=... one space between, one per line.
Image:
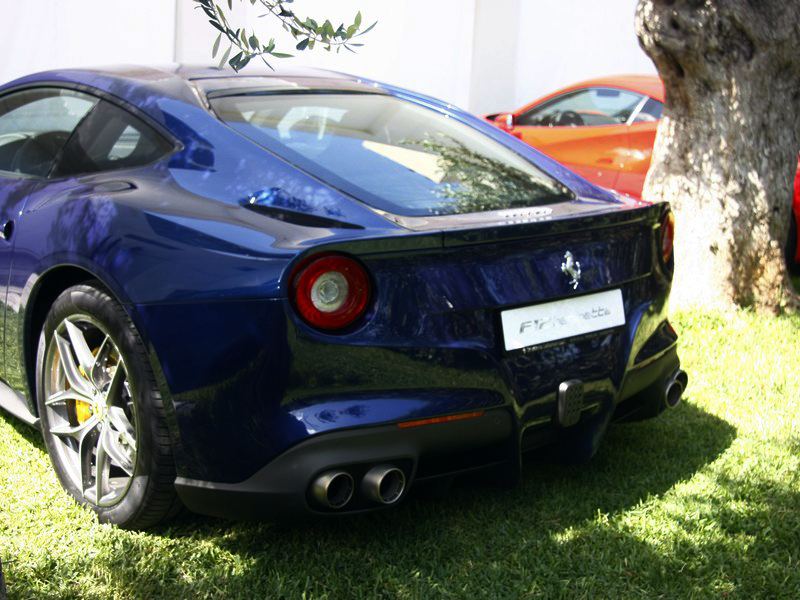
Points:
x=406 y=550
x=28 y=432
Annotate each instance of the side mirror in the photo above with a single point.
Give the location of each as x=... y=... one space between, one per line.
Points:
x=505 y=121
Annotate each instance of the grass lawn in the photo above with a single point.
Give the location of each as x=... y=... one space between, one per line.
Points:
x=703 y=502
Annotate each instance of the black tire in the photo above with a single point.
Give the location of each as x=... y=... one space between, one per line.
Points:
x=101 y=412
x=791 y=246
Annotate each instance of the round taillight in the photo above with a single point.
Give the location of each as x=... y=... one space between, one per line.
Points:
x=667 y=235
x=330 y=291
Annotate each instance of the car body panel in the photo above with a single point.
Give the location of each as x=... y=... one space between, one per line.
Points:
x=598 y=154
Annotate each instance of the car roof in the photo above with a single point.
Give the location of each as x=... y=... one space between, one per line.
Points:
x=155 y=75
x=135 y=83
x=649 y=85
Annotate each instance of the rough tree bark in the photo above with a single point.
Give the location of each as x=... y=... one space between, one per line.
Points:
x=727 y=146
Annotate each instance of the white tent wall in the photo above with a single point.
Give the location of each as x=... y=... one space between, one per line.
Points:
x=423 y=46
x=572 y=40
x=483 y=55
x=50 y=34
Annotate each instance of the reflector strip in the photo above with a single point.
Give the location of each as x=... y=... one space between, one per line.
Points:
x=435 y=420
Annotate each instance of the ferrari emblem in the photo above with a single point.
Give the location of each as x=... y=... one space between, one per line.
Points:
x=571 y=267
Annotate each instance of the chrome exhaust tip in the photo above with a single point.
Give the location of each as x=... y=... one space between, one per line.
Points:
x=333 y=489
x=384 y=484
x=674 y=388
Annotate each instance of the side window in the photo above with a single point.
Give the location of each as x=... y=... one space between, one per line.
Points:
x=592 y=106
x=111 y=138
x=34 y=126
x=651 y=111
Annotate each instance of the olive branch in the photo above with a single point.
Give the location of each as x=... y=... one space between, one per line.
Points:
x=245 y=46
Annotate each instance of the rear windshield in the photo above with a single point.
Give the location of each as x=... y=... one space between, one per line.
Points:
x=395 y=155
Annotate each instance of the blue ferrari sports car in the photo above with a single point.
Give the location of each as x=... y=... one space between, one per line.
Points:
x=305 y=293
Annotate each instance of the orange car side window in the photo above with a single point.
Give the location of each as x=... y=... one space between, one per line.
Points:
x=587 y=107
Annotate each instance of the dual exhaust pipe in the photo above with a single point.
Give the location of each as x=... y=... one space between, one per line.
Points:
x=382 y=484
x=673 y=390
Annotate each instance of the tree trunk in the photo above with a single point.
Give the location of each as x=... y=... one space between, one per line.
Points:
x=726 y=152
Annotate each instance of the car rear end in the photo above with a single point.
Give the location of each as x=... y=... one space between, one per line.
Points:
x=511 y=313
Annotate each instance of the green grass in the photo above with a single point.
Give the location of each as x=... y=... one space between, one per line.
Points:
x=703 y=502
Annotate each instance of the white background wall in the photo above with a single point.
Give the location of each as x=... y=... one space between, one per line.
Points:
x=484 y=55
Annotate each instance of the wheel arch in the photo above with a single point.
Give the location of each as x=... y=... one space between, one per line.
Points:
x=47 y=288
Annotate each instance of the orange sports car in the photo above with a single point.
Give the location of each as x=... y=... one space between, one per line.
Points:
x=604 y=130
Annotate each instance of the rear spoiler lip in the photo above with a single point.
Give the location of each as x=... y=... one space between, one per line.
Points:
x=463 y=232
x=568 y=219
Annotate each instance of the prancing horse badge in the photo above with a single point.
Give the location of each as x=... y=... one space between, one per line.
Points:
x=571 y=267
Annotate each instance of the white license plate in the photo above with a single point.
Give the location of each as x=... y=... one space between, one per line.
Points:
x=542 y=323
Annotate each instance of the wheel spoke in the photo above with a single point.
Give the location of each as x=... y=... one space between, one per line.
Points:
x=115 y=386
x=111 y=445
x=122 y=425
x=84 y=457
x=82 y=351
x=77 y=432
x=102 y=356
x=71 y=371
x=102 y=467
x=63 y=396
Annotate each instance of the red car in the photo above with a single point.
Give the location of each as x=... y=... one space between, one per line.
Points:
x=604 y=129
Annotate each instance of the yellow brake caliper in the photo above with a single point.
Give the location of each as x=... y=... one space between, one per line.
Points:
x=83 y=410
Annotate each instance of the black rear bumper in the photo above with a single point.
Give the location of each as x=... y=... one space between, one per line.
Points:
x=282 y=489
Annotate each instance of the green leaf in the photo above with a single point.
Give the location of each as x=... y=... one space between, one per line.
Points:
x=243 y=37
x=368 y=29
x=254 y=42
x=223 y=18
x=281 y=55
x=235 y=61
x=215 y=49
x=357 y=21
x=217 y=25
x=230 y=4
x=225 y=56
x=303 y=44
